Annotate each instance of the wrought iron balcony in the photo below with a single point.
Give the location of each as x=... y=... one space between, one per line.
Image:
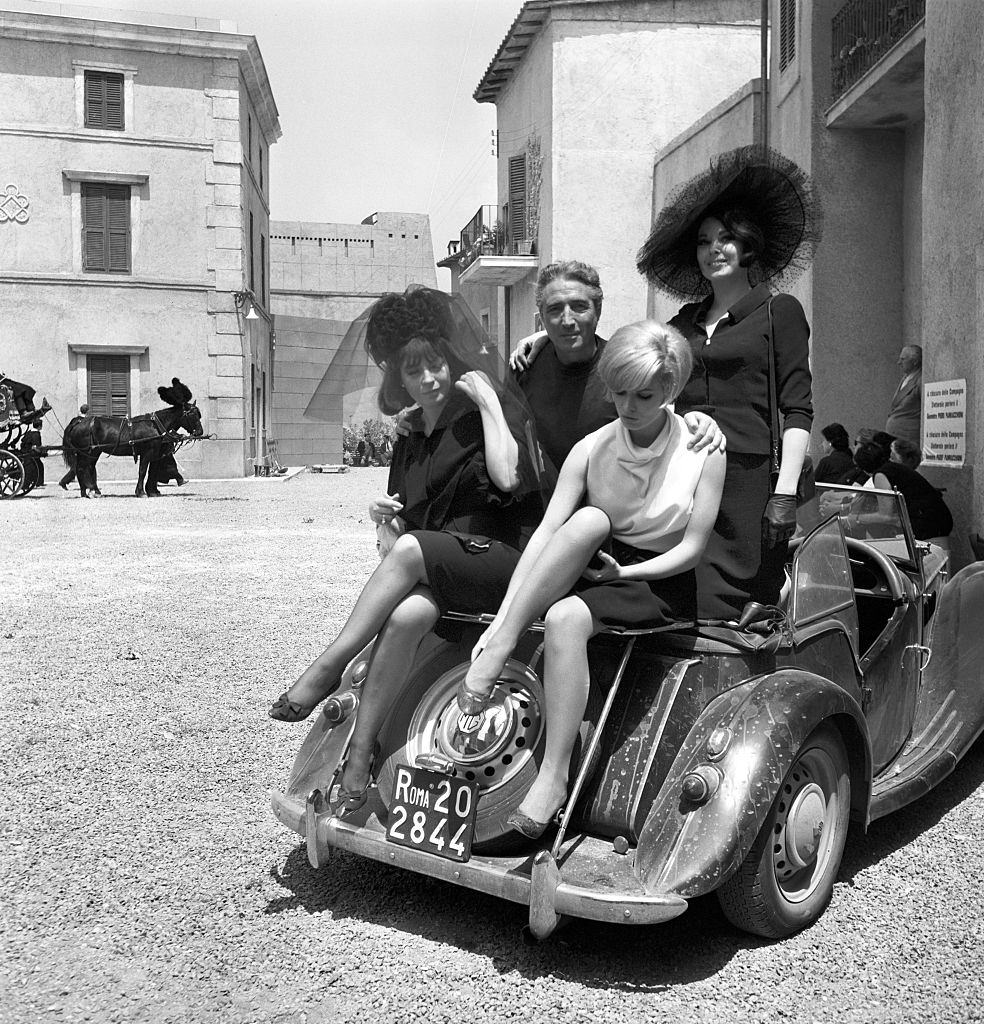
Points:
x=486 y=254
x=863 y=31
x=483 y=235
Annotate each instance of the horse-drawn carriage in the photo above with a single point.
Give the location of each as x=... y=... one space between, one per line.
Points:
x=149 y=439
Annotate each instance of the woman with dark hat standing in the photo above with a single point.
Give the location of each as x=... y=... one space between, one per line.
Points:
x=463 y=496
x=749 y=220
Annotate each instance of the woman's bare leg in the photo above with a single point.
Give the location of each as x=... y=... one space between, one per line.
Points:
x=392 y=655
x=569 y=627
x=555 y=572
x=395 y=576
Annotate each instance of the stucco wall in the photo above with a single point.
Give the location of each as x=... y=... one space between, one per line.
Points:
x=174 y=313
x=953 y=226
x=615 y=82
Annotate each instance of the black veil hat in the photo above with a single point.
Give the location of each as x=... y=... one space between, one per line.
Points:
x=774 y=193
x=381 y=331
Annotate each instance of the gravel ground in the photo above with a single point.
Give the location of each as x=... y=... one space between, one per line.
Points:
x=146 y=879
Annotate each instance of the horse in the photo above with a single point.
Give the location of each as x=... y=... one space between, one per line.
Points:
x=145 y=437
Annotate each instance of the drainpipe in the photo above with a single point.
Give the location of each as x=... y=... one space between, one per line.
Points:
x=764 y=71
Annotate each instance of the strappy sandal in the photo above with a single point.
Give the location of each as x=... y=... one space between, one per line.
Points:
x=473 y=702
x=349 y=800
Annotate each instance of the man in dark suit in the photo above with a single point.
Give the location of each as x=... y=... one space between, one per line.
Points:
x=905 y=413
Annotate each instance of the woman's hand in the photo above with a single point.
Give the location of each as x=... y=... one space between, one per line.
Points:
x=382 y=510
x=525 y=353
x=477 y=386
x=706 y=433
x=779 y=519
x=610 y=570
x=401 y=424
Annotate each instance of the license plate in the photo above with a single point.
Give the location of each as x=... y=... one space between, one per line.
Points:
x=434 y=812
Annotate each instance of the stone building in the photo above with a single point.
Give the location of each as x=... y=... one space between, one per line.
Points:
x=322 y=277
x=881 y=103
x=134 y=220
x=585 y=93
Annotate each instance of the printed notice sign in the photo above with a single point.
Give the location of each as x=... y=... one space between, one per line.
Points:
x=944 y=424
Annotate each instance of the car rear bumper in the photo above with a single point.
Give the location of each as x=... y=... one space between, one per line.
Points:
x=588 y=880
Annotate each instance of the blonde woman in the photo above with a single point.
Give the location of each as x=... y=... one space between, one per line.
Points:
x=634 y=489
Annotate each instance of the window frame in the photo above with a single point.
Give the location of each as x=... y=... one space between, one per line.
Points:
x=128 y=113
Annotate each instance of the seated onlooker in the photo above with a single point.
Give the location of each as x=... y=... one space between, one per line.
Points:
x=838 y=459
x=930 y=518
x=906 y=453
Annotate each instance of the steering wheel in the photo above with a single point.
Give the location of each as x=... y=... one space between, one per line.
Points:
x=866 y=553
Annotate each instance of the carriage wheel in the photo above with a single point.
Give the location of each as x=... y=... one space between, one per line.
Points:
x=12 y=476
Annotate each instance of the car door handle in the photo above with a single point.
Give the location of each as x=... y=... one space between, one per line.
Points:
x=926 y=655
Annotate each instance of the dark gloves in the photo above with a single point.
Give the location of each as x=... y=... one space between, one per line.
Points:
x=779 y=519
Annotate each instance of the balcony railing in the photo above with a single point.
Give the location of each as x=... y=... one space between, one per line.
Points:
x=863 y=31
x=483 y=235
x=486 y=234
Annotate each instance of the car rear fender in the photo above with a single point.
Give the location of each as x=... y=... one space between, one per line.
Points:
x=689 y=848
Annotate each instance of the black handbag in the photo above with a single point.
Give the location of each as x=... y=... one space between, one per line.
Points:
x=807 y=507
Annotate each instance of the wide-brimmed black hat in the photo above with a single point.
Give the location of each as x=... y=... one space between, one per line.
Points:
x=770 y=189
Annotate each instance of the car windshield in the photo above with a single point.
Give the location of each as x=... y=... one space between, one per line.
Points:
x=874 y=516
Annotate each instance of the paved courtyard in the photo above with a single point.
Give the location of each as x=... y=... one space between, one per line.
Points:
x=145 y=878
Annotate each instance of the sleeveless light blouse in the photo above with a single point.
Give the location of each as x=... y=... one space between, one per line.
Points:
x=648 y=493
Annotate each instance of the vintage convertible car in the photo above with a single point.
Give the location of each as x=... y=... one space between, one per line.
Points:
x=713 y=759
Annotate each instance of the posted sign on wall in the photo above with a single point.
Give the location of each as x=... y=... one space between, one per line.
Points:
x=944 y=423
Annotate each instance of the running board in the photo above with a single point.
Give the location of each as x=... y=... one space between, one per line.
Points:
x=923 y=762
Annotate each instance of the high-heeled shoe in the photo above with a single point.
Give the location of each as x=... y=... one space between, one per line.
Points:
x=349 y=800
x=473 y=702
x=284 y=709
x=527 y=826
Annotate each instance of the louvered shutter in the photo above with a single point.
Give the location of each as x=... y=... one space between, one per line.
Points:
x=106 y=227
x=103 y=92
x=787 y=33
x=109 y=385
x=118 y=227
x=517 y=197
x=93 y=228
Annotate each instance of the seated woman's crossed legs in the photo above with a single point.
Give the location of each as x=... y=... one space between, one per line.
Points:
x=401 y=571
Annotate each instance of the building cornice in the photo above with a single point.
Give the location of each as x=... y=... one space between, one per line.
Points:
x=188 y=42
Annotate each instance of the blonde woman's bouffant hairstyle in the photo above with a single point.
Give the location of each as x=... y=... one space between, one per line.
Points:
x=638 y=352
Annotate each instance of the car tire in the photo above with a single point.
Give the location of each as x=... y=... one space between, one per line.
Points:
x=505 y=756
x=787 y=878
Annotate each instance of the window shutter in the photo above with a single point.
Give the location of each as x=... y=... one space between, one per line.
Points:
x=106 y=227
x=118 y=226
x=109 y=385
x=787 y=33
x=103 y=98
x=93 y=228
x=113 y=86
x=517 y=197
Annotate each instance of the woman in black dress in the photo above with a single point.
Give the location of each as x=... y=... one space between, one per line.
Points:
x=749 y=219
x=837 y=463
x=461 y=485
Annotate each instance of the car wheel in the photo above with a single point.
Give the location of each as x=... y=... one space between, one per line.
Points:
x=499 y=749
x=786 y=880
